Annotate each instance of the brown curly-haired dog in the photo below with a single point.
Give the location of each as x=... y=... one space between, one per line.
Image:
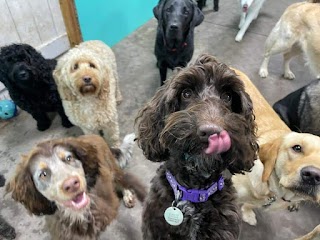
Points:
x=201 y=123
x=73 y=181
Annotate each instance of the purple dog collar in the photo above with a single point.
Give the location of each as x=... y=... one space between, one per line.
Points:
x=193 y=195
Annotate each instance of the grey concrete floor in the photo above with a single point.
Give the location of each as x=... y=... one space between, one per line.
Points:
x=139 y=79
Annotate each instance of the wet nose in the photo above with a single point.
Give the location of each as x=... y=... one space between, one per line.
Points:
x=205 y=131
x=87 y=79
x=310 y=175
x=173 y=27
x=71 y=185
x=23 y=74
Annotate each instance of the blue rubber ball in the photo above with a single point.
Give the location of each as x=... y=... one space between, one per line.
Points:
x=8 y=109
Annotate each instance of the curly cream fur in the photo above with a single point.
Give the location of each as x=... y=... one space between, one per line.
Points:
x=93 y=110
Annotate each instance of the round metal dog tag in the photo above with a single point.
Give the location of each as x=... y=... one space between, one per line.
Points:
x=173 y=216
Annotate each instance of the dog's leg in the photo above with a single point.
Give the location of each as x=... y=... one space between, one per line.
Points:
x=311 y=235
x=276 y=43
x=129 y=184
x=201 y=4
x=242 y=19
x=248 y=214
x=43 y=121
x=294 y=51
x=216 y=5
x=163 y=71
x=124 y=153
x=248 y=19
x=64 y=119
x=111 y=134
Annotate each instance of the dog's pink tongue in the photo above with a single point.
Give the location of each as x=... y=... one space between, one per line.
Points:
x=218 y=143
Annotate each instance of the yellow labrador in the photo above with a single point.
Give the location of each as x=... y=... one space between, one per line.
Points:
x=296 y=32
x=288 y=170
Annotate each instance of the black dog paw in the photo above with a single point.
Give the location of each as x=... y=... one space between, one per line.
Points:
x=67 y=124
x=216 y=8
x=2 y=180
x=42 y=126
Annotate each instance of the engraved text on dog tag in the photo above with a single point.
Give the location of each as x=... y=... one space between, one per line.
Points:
x=173 y=216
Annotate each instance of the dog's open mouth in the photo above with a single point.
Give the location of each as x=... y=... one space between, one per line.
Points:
x=79 y=202
x=218 y=143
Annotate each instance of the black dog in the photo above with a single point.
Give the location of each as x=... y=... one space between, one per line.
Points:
x=202 y=3
x=6 y=231
x=300 y=110
x=28 y=77
x=175 y=34
x=201 y=123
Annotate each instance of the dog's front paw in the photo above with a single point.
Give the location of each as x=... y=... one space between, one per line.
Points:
x=248 y=216
x=289 y=75
x=293 y=207
x=128 y=198
x=67 y=124
x=263 y=72
x=42 y=126
x=239 y=37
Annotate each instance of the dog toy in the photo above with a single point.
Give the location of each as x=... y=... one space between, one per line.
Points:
x=8 y=109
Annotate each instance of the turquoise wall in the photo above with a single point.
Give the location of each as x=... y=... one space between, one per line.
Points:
x=112 y=20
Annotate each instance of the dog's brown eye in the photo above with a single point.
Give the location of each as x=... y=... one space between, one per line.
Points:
x=297 y=148
x=76 y=66
x=43 y=175
x=68 y=158
x=92 y=65
x=186 y=93
x=226 y=97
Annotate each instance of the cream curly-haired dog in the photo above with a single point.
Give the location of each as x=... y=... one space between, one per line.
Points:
x=87 y=81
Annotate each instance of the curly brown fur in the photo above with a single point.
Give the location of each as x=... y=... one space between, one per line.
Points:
x=28 y=77
x=74 y=182
x=202 y=100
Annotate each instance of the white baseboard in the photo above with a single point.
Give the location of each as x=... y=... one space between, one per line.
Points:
x=55 y=47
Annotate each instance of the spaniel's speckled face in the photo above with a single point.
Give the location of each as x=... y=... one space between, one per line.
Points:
x=60 y=178
x=298 y=164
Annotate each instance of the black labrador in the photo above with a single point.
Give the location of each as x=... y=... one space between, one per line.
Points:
x=202 y=3
x=175 y=34
x=300 y=110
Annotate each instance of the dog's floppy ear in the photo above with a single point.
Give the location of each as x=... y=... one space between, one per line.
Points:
x=197 y=16
x=59 y=74
x=268 y=154
x=24 y=191
x=283 y=112
x=151 y=120
x=157 y=10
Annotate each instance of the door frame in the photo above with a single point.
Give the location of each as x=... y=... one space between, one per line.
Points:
x=71 y=21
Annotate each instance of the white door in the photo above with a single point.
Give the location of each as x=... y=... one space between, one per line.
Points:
x=35 y=22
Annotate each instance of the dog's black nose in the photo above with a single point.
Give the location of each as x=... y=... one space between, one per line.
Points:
x=71 y=185
x=23 y=74
x=87 y=79
x=173 y=27
x=205 y=131
x=310 y=175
